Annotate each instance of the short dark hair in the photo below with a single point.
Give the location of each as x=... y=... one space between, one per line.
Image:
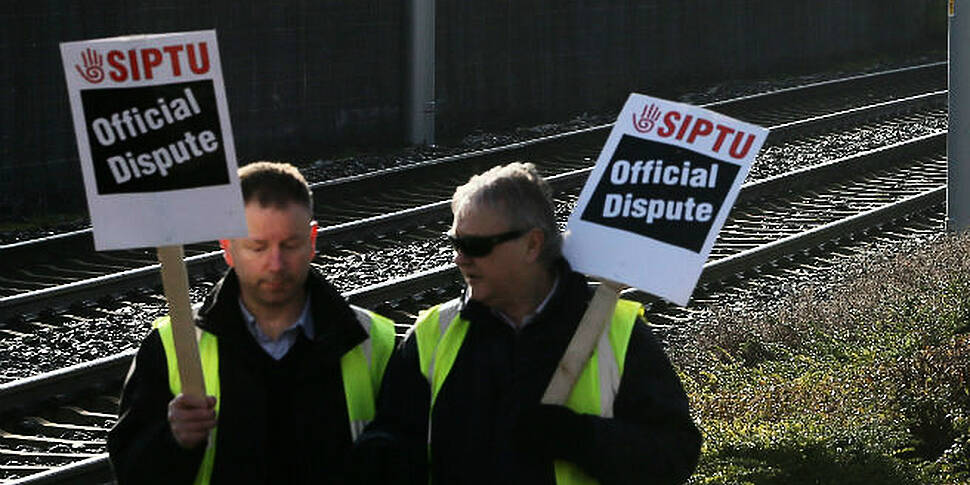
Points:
x=274 y=184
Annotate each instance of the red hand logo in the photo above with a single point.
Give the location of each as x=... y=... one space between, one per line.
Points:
x=648 y=119
x=92 y=73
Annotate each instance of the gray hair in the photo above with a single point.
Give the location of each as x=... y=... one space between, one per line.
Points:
x=518 y=192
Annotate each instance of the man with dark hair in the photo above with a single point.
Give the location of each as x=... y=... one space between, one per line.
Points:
x=291 y=369
x=461 y=400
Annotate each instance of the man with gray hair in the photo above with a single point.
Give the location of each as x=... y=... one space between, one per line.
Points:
x=461 y=400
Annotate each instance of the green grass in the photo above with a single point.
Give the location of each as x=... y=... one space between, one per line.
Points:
x=866 y=382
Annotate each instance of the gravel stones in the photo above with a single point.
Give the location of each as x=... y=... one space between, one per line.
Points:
x=47 y=343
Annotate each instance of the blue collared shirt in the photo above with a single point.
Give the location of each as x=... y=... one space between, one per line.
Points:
x=279 y=347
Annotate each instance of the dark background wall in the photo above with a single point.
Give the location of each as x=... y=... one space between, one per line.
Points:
x=521 y=62
x=310 y=78
x=302 y=77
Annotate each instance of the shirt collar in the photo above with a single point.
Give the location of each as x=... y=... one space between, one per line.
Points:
x=528 y=318
x=303 y=322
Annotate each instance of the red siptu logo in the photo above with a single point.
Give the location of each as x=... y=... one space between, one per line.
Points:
x=648 y=119
x=147 y=63
x=92 y=72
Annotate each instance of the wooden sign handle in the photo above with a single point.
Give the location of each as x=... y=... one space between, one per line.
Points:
x=175 y=281
x=597 y=316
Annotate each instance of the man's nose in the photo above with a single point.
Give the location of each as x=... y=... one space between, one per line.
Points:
x=275 y=259
x=461 y=259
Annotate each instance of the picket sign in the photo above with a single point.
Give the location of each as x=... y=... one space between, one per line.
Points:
x=581 y=346
x=175 y=281
x=651 y=210
x=157 y=156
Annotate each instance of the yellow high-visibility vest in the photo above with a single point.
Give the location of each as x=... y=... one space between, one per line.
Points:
x=362 y=369
x=440 y=332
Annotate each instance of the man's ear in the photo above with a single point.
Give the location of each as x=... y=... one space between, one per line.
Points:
x=224 y=244
x=535 y=241
x=313 y=239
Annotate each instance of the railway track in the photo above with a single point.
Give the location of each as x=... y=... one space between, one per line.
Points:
x=48 y=273
x=778 y=223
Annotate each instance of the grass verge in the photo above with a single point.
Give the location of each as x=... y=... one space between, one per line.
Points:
x=863 y=381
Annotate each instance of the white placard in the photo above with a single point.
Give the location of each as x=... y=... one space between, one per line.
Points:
x=154 y=139
x=660 y=191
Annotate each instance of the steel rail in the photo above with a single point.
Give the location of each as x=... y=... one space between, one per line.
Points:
x=29 y=392
x=148 y=276
x=751 y=259
x=95 y=288
x=96 y=469
x=786 y=131
x=844 y=80
x=844 y=116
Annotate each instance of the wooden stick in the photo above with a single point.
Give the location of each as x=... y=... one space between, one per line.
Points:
x=597 y=316
x=175 y=280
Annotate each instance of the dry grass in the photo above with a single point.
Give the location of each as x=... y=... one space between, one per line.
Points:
x=865 y=377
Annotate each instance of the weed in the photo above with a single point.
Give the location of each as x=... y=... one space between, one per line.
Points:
x=866 y=380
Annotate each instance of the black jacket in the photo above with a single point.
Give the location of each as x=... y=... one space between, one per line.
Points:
x=488 y=426
x=279 y=421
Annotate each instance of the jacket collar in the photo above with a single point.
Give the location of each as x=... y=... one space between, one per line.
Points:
x=335 y=325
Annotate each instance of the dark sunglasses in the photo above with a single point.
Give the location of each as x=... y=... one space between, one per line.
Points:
x=480 y=246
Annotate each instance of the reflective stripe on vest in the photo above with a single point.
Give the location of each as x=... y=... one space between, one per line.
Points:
x=438 y=325
x=362 y=369
x=440 y=332
x=209 y=355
